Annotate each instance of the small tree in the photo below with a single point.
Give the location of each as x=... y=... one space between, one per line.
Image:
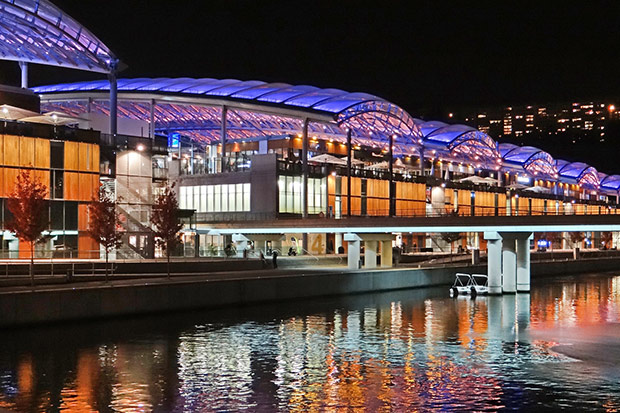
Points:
x=103 y=222
x=29 y=208
x=166 y=222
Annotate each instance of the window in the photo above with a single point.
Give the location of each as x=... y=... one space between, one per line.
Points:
x=57 y=155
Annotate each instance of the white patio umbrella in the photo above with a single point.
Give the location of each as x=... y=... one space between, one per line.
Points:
x=353 y=161
x=8 y=112
x=474 y=179
x=327 y=158
x=54 y=118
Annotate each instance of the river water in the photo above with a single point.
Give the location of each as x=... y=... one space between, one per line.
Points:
x=558 y=347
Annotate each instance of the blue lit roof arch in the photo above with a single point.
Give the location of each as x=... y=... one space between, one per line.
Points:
x=372 y=119
x=610 y=182
x=585 y=175
x=533 y=160
x=462 y=142
x=36 y=31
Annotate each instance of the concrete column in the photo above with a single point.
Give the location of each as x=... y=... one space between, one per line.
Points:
x=24 y=71
x=509 y=264
x=223 y=133
x=349 y=160
x=304 y=170
x=337 y=242
x=391 y=194
x=370 y=254
x=494 y=262
x=421 y=154
x=113 y=104
x=353 y=247
x=386 y=254
x=523 y=262
x=152 y=119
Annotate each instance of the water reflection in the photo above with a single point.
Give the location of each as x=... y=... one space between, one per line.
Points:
x=394 y=351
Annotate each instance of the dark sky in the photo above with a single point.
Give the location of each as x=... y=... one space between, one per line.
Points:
x=418 y=55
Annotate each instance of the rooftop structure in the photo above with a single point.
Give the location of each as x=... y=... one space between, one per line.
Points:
x=36 y=31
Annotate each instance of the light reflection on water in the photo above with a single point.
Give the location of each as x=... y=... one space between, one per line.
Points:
x=404 y=350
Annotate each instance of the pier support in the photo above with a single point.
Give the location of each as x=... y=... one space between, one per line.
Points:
x=353 y=248
x=370 y=254
x=509 y=264
x=386 y=254
x=494 y=262
x=523 y=262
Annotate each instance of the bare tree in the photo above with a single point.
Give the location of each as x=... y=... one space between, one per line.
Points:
x=29 y=208
x=103 y=223
x=166 y=222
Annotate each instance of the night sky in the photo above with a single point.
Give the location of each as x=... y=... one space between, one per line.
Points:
x=424 y=58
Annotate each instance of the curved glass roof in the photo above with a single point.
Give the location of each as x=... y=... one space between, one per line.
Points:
x=584 y=174
x=610 y=182
x=371 y=118
x=462 y=142
x=36 y=31
x=535 y=161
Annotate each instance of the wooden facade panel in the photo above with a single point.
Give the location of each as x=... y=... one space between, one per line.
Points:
x=10 y=178
x=94 y=153
x=83 y=217
x=84 y=156
x=26 y=151
x=87 y=246
x=42 y=153
x=71 y=156
x=71 y=186
x=11 y=150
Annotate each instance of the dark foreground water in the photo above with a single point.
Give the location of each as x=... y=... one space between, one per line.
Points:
x=417 y=349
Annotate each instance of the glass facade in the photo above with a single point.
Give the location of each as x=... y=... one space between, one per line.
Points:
x=290 y=195
x=215 y=198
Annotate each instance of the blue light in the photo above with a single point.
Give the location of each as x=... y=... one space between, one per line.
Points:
x=174 y=140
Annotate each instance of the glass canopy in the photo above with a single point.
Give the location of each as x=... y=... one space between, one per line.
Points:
x=36 y=31
x=461 y=142
x=584 y=174
x=194 y=107
x=610 y=182
x=535 y=161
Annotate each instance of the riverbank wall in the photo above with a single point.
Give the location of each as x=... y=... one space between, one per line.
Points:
x=74 y=302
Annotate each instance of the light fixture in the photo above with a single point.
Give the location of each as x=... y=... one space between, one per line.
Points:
x=140 y=147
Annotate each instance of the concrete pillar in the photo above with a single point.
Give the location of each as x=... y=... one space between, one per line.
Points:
x=223 y=137
x=24 y=71
x=509 y=264
x=494 y=261
x=337 y=242
x=386 y=254
x=304 y=169
x=152 y=119
x=349 y=160
x=370 y=254
x=353 y=247
x=523 y=262
x=421 y=155
x=113 y=103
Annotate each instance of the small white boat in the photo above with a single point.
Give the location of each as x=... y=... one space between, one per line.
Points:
x=465 y=284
